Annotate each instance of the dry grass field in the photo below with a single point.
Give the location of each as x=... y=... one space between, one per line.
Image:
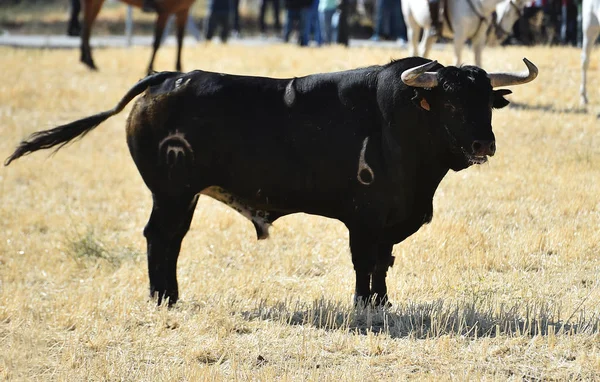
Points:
x=502 y=285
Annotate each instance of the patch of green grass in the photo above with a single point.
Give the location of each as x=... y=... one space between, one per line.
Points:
x=90 y=247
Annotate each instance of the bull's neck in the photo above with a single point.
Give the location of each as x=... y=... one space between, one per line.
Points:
x=419 y=160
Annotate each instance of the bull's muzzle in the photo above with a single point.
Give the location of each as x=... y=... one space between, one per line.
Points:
x=483 y=148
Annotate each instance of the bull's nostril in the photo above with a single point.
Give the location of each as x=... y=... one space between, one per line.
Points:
x=476 y=146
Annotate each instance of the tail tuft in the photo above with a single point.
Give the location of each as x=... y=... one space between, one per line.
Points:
x=58 y=136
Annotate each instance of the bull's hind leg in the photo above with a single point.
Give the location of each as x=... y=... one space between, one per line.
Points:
x=169 y=222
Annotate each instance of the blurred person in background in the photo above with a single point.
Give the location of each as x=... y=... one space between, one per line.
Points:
x=296 y=16
x=389 y=21
x=263 y=11
x=237 y=29
x=312 y=27
x=568 y=25
x=219 y=15
x=327 y=10
x=341 y=30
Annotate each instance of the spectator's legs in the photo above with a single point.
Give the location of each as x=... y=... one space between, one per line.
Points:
x=276 y=15
x=209 y=26
x=340 y=24
x=291 y=16
x=261 y=16
x=312 y=26
x=304 y=26
x=397 y=27
x=379 y=5
x=326 y=27
x=236 y=17
x=225 y=21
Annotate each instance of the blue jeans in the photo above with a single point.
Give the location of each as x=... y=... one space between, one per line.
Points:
x=312 y=24
x=327 y=27
x=388 y=13
x=296 y=17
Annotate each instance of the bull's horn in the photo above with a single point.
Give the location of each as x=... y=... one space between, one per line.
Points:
x=507 y=79
x=420 y=77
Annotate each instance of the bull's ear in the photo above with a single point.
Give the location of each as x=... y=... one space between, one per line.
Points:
x=420 y=101
x=499 y=101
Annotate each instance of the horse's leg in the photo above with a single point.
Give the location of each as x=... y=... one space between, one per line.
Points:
x=182 y=18
x=590 y=33
x=459 y=43
x=169 y=222
x=74 y=28
x=91 y=8
x=427 y=42
x=413 y=30
x=159 y=27
x=478 y=43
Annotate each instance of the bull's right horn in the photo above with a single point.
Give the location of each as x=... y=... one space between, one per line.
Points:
x=508 y=79
x=420 y=77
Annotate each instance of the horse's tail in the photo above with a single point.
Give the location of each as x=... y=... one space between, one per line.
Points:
x=64 y=134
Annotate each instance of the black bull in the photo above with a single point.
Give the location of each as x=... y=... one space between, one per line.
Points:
x=367 y=146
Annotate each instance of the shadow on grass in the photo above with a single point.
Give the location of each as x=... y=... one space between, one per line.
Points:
x=548 y=108
x=430 y=320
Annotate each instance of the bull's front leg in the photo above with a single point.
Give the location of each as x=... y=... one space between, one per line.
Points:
x=371 y=261
x=384 y=260
x=363 y=247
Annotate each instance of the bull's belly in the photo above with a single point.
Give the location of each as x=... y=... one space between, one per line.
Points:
x=263 y=209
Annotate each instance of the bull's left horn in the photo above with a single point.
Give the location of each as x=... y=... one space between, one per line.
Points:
x=420 y=77
x=508 y=79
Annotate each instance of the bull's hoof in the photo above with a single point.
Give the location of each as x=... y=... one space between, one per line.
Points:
x=160 y=297
x=373 y=301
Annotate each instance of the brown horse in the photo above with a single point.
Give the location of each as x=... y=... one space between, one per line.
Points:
x=164 y=8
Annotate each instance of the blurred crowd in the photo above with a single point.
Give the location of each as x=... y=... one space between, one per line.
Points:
x=548 y=22
x=321 y=22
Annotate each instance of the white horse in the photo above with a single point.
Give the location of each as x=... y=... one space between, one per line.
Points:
x=507 y=14
x=462 y=19
x=590 y=23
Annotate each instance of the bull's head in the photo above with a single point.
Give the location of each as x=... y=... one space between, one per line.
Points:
x=463 y=99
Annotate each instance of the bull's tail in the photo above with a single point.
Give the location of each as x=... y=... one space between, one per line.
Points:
x=61 y=135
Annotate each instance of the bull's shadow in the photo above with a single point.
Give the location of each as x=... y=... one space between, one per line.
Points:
x=548 y=108
x=429 y=320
